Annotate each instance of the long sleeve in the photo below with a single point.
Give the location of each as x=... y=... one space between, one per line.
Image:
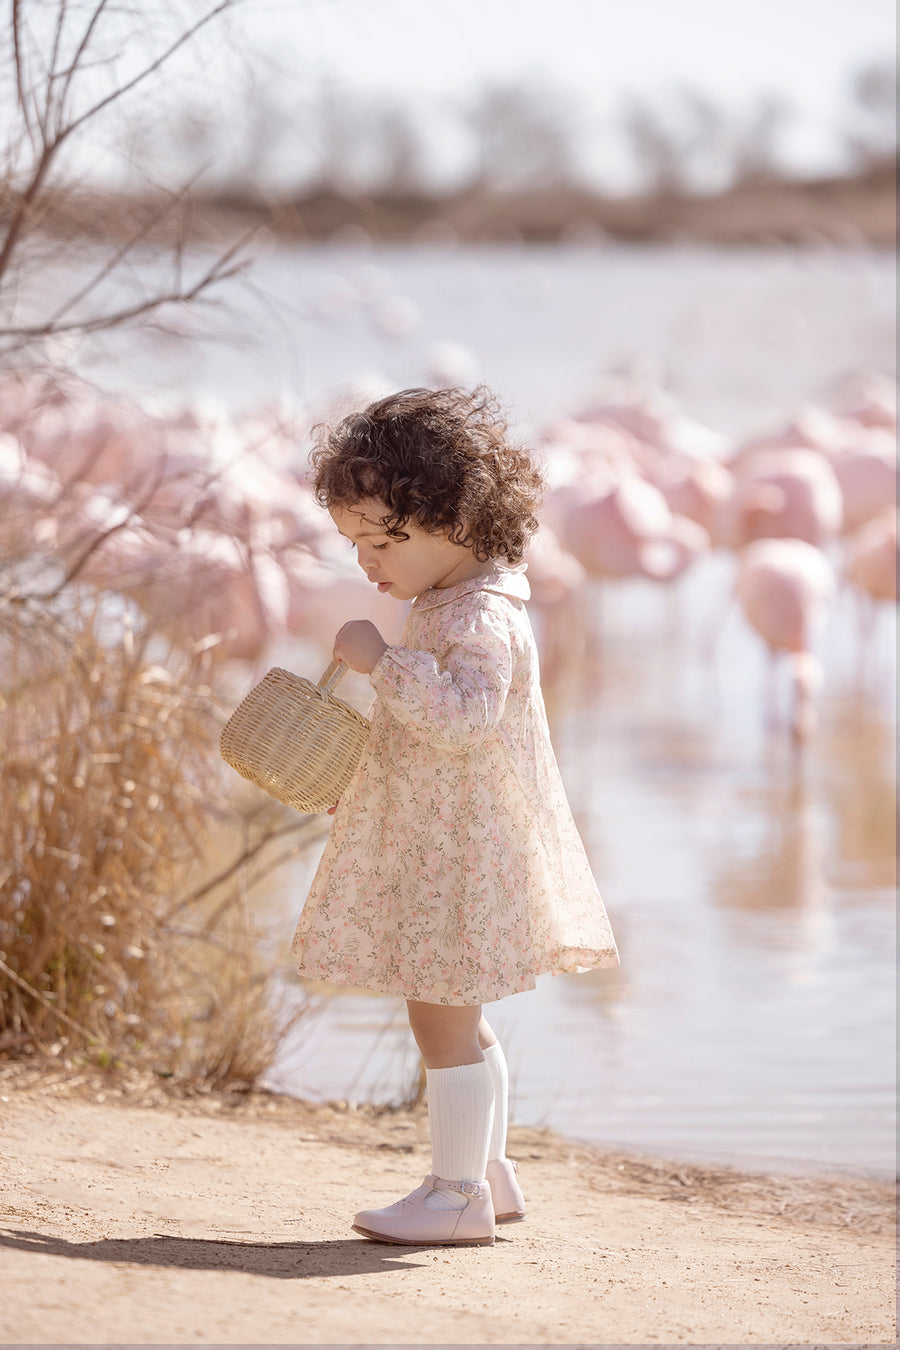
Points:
x=452 y=705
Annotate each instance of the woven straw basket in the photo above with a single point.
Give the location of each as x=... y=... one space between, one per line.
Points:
x=295 y=740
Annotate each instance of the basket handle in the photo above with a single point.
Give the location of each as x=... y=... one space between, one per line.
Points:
x=332 y=677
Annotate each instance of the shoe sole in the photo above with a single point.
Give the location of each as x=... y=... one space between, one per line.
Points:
x=423 y=1242
x=513 y=1217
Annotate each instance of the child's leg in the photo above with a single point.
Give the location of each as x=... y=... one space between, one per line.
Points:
x=460 y=1091
x=454 y=1205
x=446 y=1036
x=486 y=1037
x=496 y=1062
x=509 y=1203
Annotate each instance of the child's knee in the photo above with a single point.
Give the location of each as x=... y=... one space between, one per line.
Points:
x=446 y=1036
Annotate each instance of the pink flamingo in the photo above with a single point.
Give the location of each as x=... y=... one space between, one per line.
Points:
x=198 y=584
x=812 y=428
x=92 y=440
x=642 y=435
x=871 y=568
x=872 y=557
x=686 y=541
x=557 y=582
x=782 y=587
x=696 y=488
x=609 y=531
x=627 y=529
x=866 y=469
x=782 y=494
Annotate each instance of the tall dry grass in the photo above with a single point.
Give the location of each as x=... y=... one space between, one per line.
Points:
x=122 y=937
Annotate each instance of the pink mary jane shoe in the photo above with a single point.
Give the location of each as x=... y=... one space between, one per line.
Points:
x=409 y=1223
x=509 y=1202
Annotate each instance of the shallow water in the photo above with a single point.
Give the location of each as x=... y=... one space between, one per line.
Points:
x=740 y=337
x=752 y=1019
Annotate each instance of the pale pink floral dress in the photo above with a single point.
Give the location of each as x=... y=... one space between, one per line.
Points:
x=454 y=872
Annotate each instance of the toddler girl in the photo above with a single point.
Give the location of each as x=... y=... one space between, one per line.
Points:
x=453 y=874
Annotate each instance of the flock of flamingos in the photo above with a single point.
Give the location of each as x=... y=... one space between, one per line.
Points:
x=206 y=523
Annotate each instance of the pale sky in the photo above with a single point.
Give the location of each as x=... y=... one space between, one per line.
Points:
x=433 y=55
x=603 y=46
x=431 y=51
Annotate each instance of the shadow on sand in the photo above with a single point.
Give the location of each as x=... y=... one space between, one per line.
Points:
x=278 y=1260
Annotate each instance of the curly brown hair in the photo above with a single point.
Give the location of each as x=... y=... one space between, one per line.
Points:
x=439 y=458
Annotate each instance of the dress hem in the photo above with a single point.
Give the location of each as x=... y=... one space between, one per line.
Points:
x=578 y=962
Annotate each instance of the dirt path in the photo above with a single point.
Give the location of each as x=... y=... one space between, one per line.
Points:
x=165 y=1221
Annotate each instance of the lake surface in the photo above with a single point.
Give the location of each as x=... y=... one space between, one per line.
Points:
x=739 y=337
x=753 y=1017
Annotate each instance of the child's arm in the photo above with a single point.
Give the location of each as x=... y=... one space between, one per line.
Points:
x=453 y=707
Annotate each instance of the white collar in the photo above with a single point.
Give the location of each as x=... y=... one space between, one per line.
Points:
x=498 y=579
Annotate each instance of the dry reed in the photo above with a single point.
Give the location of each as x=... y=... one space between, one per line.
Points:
x=110 y=784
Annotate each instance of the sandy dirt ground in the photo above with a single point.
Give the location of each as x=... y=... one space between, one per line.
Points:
x=128 y=1216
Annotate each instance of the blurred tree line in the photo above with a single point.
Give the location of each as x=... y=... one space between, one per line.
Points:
x=515 y=137
x=528 y=159
x=177 y=152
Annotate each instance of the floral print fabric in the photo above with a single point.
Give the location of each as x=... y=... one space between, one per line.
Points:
x=454 y=872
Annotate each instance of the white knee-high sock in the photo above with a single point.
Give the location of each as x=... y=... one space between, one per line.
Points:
x=495 y=1059
x=460 y=1112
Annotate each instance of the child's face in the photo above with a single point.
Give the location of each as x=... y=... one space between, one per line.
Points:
x=403 y=568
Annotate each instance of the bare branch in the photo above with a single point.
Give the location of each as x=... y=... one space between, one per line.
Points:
x=53 y=142
x=135 y=510
x=39 y=114
x=311 y=827
x=26 y=202
x=79 y=52
x=148 y=70
x=57 y=40
x=122 y=252
x=217 y=272
x=18 y=58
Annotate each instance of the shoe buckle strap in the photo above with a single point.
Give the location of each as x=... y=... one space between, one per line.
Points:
x=462 y=1187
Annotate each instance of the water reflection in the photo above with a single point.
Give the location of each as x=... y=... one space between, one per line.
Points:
x=782 y=869
x=818 y=833
x=857 y=779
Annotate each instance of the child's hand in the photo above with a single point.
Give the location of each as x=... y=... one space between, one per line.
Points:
x=359 y=645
